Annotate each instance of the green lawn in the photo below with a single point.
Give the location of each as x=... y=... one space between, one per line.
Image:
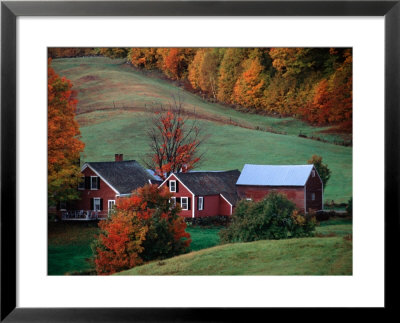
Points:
x=203 y=238
x=306 y=256
x=69 y=249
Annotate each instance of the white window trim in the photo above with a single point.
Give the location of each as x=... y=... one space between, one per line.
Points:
x=170 y=189
x=173 y=200
x=180 y=182
x=94 y=203
x=108 y=205
x=187 y=203
x=202 y=203
x=91 y=183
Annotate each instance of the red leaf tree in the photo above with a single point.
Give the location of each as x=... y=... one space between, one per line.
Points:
x=174 y=141
x=143 y=227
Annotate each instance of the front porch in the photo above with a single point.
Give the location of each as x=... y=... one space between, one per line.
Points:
x=83 y=215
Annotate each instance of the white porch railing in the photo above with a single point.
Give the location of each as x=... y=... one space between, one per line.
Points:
x=81 y=215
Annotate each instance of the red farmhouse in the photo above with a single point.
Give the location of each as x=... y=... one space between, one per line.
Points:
x=300 y=183
x=102 y=184
x=203 y=193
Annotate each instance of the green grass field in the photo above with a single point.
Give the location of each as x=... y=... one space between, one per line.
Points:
x=307 y=256
x=69 y=249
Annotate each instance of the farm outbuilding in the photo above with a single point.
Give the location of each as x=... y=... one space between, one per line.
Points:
x=204 y=193
x=300 y=183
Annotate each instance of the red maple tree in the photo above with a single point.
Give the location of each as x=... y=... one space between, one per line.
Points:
x=143 y=227
x=174 y=141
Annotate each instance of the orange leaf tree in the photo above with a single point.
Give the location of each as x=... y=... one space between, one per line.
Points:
x=143 y=227
x=174 y=141
x=64 y=145
x=250 y=86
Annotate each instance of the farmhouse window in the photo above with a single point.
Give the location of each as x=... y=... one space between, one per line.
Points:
x=96 y=204
x=111 y=204
x=200 y=203
x=94 y=183
x=81 y=184
x=173 y=201
x=313 y=196
x=172 y=186
x=184 y=203
x=313 y=173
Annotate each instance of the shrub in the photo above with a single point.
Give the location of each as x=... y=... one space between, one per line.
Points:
x=275 y=217
x=143 y=227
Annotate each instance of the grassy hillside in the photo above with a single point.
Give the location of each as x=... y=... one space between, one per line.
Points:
x=103 y=83
x=307 y=256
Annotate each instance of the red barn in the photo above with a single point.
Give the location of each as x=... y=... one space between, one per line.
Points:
x=102 y=184
x=202 y=193
x=300 y=183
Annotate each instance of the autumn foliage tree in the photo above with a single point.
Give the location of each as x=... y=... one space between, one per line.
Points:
x=174 y=141
x=113 y=52
x=143 y=227
x=143 y=57
x=63 y=139
x=229 y=71
x=250 y=86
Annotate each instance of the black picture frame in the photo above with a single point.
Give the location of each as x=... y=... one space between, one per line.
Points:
x=10 y=10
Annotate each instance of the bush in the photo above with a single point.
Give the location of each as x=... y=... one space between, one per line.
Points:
x=275 y=217
x=143 y=227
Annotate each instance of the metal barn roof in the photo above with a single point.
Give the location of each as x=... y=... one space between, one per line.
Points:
x=274 y=175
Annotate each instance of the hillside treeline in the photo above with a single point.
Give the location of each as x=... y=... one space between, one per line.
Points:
x=313 y=84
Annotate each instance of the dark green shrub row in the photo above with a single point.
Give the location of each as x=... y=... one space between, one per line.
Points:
x=327 y=214
x=219 y=220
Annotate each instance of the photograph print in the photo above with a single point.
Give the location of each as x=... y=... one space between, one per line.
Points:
x=200 y=161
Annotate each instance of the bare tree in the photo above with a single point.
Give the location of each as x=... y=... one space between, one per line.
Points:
x=174 y=141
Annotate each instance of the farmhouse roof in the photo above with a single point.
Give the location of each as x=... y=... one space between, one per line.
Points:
x=124 y=176
x=274 y=175
x=212 y=183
